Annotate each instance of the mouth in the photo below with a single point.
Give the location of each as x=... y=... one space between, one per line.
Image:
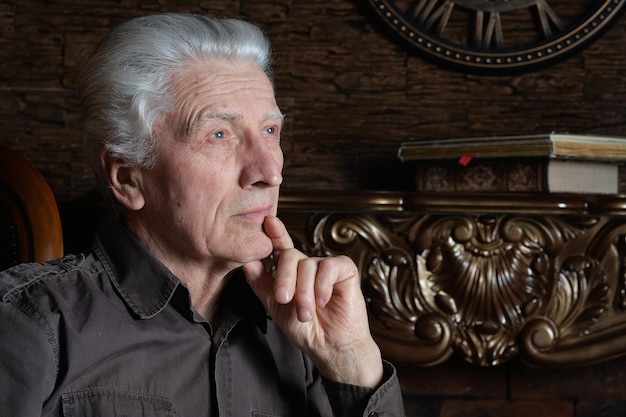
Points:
x=256 y=215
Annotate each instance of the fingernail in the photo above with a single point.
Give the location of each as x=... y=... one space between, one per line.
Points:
x=282 y=295
x=304 y=314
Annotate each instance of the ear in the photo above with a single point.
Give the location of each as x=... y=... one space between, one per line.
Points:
x=124 y=181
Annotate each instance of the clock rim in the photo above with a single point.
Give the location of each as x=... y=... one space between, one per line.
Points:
x=573 y=38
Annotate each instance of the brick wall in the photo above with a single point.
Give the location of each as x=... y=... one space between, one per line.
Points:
x=457 y=389
x=352 y=94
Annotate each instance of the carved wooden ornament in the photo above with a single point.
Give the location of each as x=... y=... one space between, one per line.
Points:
x=487 y=287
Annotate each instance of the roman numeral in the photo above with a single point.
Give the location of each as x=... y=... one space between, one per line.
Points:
x=433 y=14
x=548 y=18
x=488 y=34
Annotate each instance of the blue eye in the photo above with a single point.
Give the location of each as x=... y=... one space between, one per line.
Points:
x=271 y=130
x=219 y=134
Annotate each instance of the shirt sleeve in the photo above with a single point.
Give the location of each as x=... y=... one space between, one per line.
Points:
x=352 y=400
x=27 y=368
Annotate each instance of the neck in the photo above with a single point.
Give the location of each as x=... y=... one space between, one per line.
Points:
x=204 y=278
x=204 y=294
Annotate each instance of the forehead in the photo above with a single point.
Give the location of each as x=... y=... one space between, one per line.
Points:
x=222 y=85
x=220 y=78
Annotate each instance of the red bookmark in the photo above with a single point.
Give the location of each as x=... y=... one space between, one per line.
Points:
x=465 y=160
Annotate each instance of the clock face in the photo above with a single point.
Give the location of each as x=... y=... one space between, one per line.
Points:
x=500 y=35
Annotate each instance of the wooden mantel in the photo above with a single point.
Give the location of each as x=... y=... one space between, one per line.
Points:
x=486 y=277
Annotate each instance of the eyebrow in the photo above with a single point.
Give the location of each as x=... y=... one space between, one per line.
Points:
x=236 y=116
x=223 y=116
x=194 y=124
x=275 y=115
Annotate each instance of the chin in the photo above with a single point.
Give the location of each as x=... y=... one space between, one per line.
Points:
x=259 y=248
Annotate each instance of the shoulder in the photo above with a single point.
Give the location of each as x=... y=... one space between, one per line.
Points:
x=23 y=277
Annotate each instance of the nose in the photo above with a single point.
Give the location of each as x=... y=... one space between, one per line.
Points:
x=262 y=164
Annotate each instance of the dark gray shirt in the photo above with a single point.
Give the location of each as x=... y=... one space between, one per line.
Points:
x=112 y=333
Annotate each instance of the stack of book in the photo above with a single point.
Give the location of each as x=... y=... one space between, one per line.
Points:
x=552 y=163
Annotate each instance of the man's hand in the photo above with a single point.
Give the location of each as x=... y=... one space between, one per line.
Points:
x=318 y=304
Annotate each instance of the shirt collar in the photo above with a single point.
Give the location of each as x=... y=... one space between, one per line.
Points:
x=144 y=283
x=147 y=286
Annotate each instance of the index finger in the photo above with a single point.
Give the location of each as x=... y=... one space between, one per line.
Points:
x=277 y=231
x=286 y=267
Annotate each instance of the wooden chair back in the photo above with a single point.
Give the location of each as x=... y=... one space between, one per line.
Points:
x=30 y=225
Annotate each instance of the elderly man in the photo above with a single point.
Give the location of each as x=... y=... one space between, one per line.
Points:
x=172 y=312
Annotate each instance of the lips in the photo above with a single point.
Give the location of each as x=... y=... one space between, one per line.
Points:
x=256 y=215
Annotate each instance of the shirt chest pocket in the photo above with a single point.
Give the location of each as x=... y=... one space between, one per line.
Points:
x=99 y=402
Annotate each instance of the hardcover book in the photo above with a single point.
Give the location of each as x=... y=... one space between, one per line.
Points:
x=556 y=163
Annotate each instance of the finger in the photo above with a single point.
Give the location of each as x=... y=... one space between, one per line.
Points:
x=286 y=258
x=325 y=280
x=286 y=275
x=277 y=231
x=305 y=289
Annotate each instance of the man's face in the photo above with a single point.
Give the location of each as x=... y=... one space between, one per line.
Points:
x=218 y=170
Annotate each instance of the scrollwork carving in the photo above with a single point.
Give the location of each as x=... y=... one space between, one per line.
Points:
x=581 y=296
x=485 y=287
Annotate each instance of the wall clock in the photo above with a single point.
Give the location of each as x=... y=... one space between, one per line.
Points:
x=498 y=35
